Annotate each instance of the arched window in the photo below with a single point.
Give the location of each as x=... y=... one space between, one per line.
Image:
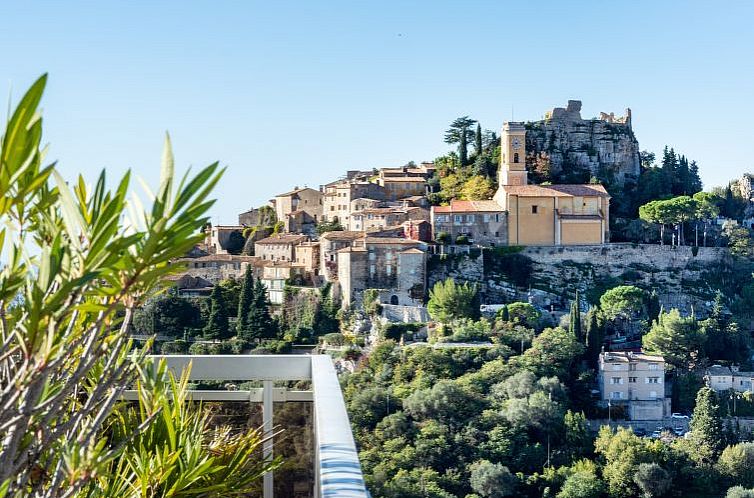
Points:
x=394 y=299
x=515 y=157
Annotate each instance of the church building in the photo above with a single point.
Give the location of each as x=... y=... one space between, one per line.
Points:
x=577 y=214
x=523 y=214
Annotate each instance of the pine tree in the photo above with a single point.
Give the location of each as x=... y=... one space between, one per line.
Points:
x=217 y=324
x=706 y=426
x=575 y=327
x=260 y=324
x=505 y=314
x=478 y=137
x=326 y=319
x=245 y=302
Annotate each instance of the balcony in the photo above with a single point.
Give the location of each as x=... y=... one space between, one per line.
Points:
x=337 y=471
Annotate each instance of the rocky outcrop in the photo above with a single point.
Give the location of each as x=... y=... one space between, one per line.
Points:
x=564 y=148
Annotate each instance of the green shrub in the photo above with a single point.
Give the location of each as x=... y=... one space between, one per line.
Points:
x=198 y=348
x=395 y=331
x=179 y=346
x=462 y=240
x=238 y=346
x=334 y=339
x=443 y=238
x=219 y=348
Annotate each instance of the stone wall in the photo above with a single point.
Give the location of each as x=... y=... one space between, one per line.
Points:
x=681 y=279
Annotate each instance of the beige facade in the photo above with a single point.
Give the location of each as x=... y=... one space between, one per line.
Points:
x=278 y=247
x=401 y=187
x=385 y=217
x=547 y=214
x=339 y=195
x=307 y=255
x=636 y=380
x=275 y=276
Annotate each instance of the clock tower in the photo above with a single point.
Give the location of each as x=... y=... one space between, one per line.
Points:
x=512 y=155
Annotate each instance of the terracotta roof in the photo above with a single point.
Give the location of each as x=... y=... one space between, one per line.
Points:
x=469 y=207
x=342 y=235
x=283 y=239
x=582 y=190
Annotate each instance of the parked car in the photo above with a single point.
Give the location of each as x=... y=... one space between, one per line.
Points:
x=656 y=434
x=640 y=431
x=679 y=431
x=679 y=416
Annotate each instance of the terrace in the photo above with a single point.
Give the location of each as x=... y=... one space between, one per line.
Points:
x=337 y=471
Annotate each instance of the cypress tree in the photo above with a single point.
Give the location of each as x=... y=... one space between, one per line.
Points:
x=478 y=139
x=593 y=337
x=244 y=302
x=260 y=322
x=653 y=307
x=575 y=327
x=217 y=324
x=706 y=427
x=505 y=314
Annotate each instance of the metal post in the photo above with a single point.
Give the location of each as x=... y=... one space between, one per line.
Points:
x=267 y=425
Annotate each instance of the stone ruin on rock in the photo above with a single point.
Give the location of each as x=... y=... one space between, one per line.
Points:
x=565 y=148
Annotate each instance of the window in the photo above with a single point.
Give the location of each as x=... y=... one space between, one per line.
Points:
x=469 y=218
x=389 y=270
x=617 y=395
x=486 y=218
x=616 y=380
x=497 y=234
x=652 y=380
x=534 y=210
x=515 y=157
x=372 y=270
x=632 y=380
x=653 y=366
x=458 y=218
x=632 y=367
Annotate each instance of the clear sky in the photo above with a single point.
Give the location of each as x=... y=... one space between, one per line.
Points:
x=295 y=93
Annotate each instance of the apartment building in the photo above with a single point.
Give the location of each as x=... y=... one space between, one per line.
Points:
x=339 y=195
x=635 y=380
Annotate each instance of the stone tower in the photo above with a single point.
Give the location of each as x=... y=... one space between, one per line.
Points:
x=512 y=155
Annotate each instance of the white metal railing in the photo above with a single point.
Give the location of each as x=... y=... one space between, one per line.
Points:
x=337 y=471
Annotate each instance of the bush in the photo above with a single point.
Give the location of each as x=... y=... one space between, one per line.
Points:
x=443 y=238
x=238 y=346
x=395 y=331
x=178 y=346
x=334 y=339
x=462 y=240
x=219 y=348
x=198 y=348
x=272 y=347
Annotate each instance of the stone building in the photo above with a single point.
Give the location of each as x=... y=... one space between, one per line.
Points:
x=482 y=222
x=635 y=380
x=329 y=245
x=380 y=218
x=307 y=200
x=418 y=230
x=394 y=266
x=547 y=214
x=218 y=236
x=279 y=247
x=399 y=187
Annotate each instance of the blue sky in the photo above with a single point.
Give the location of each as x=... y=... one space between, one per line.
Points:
x=294 y=93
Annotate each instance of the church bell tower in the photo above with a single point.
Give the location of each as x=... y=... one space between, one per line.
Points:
x=513 y=155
